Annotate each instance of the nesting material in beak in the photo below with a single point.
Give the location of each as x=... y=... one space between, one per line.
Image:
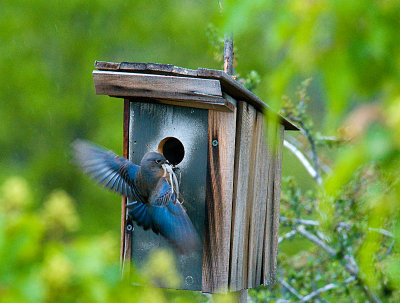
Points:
x=168 y=172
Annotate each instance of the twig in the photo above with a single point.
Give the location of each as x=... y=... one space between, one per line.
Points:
x=325 y=289
x=347 y=261
x=371 y=296
x=330 y=138
x=310 y=169
x=390 y=248
x=318 y=292
x=322 y=236
x=300 y=221
x=350 y=265
x=307 y=152
x=316 y=241
x=382 y=231
x=290 y=288
x=208 y=296
x=288 y=235
x=306 y=132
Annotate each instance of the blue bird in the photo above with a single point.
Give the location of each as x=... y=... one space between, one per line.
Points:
x=152 y=187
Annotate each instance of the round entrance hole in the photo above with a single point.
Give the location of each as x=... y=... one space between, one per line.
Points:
x=172 y=149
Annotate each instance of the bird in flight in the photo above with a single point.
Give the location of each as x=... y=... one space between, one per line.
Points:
x=152 y=190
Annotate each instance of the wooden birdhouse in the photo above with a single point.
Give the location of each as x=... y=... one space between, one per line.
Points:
x=214 y=130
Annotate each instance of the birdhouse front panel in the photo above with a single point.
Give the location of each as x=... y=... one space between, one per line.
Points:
x=180 y=134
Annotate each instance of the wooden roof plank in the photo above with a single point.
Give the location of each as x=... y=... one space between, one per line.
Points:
x=184 y=91
x=228 y=84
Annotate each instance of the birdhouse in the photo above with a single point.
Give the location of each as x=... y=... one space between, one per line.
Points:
x=216 y=133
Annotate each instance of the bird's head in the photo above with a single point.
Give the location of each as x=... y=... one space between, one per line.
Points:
x=154 y=166
x=153 y=161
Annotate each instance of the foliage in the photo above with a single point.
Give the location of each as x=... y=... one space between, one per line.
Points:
x=352 y=229
x=43 y=260
x=349 y=48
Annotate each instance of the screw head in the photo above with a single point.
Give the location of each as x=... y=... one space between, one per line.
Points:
x=215 y=143
x=189 y=280
x=129 y=227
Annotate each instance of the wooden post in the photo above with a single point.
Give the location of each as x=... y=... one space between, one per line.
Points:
x=241 y=295
x=228 y=55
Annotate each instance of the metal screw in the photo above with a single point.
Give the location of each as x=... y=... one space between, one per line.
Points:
x=129 y=227
x=189 y=280
x=215 y=143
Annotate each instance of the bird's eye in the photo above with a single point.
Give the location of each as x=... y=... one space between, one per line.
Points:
x=158 y=161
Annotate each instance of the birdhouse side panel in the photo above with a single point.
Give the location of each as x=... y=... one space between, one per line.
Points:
x=150 y=125
x=273 y=204
x=255 y=209
x=257 y=200
x=246 y=115
x=270 y=274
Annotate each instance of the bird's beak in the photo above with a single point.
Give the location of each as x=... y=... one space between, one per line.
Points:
x=168 y=170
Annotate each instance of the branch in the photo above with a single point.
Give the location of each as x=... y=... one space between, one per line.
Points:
x=318 y=292
x=303 y=161
x=370 y=295
x=389 y=251
x=290 y=288
x=288 y=235
x=347 y=261
x=300 y=221
x=306 y=132
x=307 y=152
x=382 y=231
x=316 y=241
x=324 y=289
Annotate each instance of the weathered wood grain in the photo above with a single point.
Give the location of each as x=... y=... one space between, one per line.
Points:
x=127 y=263
x=219 y=191
x=273 y=205
x=148 y=68
x=224 y=106
x=264 y=161
x=246 y=114
x=125 y=258
x=276 y=202
x=202 y=93
x=269 y=211
x=228 y=54
x=106 y=81
x=256 y=200
x=229 y=85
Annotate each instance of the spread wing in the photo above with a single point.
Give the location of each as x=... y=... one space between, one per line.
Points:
x=108 y=169
x=170 y=219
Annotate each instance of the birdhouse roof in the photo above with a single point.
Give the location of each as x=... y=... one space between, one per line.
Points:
x=203 y=88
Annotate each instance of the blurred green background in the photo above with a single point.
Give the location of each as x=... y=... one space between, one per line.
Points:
x=47 y=53
x=350 y=48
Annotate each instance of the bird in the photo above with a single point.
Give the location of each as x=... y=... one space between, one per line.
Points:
x=152 y=188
